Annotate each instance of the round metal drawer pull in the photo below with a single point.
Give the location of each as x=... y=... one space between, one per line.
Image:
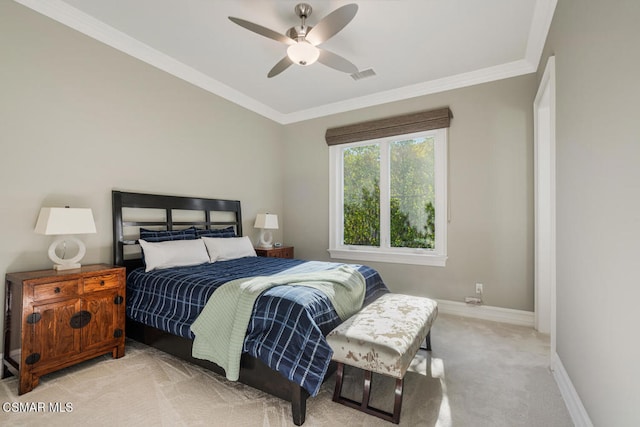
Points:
x=57 y=290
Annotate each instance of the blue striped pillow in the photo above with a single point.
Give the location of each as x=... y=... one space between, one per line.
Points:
x=166 y=235
x=217 y=232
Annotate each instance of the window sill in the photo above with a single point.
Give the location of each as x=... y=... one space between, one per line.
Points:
x=415 y=258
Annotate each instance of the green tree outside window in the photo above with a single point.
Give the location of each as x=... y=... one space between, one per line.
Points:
x=411 y=198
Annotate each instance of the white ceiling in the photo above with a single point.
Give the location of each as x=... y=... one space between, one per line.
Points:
x=415 y=47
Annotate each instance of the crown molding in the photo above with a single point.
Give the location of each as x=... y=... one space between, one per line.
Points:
x=67 y=15
x=540 y=24
x=484 y=75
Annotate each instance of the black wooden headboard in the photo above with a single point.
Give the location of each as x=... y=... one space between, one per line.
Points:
x=170 y=208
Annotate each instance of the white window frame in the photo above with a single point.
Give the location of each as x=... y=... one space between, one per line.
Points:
x=386 y=253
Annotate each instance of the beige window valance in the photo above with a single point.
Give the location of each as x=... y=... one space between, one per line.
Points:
x=398 y=125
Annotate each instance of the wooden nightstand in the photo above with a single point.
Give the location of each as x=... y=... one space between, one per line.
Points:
x=54 y=319
x=281 y=252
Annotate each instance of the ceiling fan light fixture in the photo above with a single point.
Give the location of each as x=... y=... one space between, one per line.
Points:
x=303 y=53
x=302 y=39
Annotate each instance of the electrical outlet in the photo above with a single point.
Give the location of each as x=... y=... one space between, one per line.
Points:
x=478 y=288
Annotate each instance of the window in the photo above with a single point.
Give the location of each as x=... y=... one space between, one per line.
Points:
x=388 y=199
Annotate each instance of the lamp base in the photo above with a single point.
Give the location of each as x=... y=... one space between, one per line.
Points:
x=59 y=267
x=266 y=239
x=70 y=263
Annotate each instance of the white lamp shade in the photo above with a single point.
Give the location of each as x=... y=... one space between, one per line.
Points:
x=55 y=221
x=269 y=221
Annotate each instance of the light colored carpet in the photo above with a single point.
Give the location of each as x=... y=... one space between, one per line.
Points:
x=479 y=374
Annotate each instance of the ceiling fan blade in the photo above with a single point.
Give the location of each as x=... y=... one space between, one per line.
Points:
x=331 y=24
x=263 y=31
x=282 y=65
x=336 y=62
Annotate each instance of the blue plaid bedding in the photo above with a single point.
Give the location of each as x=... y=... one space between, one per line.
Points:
x=288 y=324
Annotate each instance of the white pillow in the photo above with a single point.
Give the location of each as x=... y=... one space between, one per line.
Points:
x=225 y=248
x=173 y=253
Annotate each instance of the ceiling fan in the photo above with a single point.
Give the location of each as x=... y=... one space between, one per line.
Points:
x=303 y=40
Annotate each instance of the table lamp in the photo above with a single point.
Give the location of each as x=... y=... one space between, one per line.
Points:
x=266 y=222
x=64 y=222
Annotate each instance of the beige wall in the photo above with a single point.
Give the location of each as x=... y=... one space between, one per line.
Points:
x=491 y=192
x=596 y=45
x=78 y=119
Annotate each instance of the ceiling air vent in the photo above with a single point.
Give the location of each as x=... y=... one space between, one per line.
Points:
x=363 y=74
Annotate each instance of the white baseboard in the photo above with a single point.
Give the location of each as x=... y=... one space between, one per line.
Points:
x=576 y=410
x=486 y=312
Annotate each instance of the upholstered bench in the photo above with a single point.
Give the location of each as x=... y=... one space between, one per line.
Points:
x=382 y=338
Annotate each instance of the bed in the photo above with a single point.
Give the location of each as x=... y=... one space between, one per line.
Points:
x=284 y=352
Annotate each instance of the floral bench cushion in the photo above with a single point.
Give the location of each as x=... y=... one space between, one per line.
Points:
x=384 y=336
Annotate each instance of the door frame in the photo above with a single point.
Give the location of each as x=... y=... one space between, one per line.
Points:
x=544 y=108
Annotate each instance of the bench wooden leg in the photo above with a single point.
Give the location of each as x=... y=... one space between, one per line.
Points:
x=427 y=342
x=366 y=390
x=366 y=395
x=397 y=406
x=337 y=391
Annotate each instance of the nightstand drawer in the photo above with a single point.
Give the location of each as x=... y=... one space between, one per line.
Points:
x=284 y=252
x=279 y=252
x=65 y=289
x=104 y=281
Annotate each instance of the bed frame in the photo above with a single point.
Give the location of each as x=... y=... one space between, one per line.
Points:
x=253 y=371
